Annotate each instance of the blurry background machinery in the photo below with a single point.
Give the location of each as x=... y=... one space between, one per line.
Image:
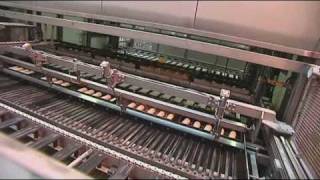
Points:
x=173 y=61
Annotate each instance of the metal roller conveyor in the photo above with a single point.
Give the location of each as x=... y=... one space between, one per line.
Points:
x=120 y=132
x=240 y=107
x=136 y=114
x=94 y=70
x=156 y=93
x=167 y=150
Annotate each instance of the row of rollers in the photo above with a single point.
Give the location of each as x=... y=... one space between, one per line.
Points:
x=137 y=136
x=105 y=171
x=117 y=131
x=133 y=105
x=186 y=66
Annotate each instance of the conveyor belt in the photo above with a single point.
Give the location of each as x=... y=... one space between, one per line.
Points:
x=213 y=85
x=170 y=150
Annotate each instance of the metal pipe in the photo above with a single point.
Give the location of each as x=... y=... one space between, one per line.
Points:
x=80 y=158
x=246 y=156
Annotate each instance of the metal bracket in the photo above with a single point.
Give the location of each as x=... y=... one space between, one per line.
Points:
x=279 y=127
x=113 y=76
x=314 y=70
x=37 y=57
x=122 y=172
x=220 y=107
x=76 y=69
x=120 y=103
x=49 y=79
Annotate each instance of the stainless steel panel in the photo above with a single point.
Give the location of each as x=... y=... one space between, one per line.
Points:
x=238 y=54
x=290 y=23
x=178 y=13
x=93 y=7
x=16 y=160
x=307 y=127
x=207 y=16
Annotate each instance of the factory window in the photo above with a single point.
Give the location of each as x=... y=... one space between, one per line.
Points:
x=144 y=45
x=236 y=65
x=99 y=41
x=202 y=57
x=74 y=36
x=123 y=42
x=172 y=51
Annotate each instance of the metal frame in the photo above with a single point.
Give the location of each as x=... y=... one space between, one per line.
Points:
x=130 y=96
x=241 y=108
x=41 y=165
x=200 y=97
x=90 y=143
x=266 y=60
x=150 y=118
x=236 y=93
x=192 y=31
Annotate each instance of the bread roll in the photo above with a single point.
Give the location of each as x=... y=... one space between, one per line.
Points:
x=89 y=92
x=20 y=69
x=140 y=107
x=27 y=46
x=15 y=68
x=113 y=99
x=27 y=71
x=30 y=72
x=83 y=89
x=233 y=134
x=151 y=111
x=196 y=124
x=170 y=116
x=132 y=105
x=24 y=71
x=208 y=127
x=65 y=84
x=161 y=114
x=186 y=121
x=97 y=94
x=107 y=97
x=58 y=82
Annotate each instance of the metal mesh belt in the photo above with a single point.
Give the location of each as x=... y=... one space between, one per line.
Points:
x=307 y=129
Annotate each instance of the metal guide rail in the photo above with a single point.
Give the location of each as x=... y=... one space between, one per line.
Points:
x=242 y=108
x=233 y=106
x=111 y=103
x=287 y=162
x=150 y=67
x=168 y=150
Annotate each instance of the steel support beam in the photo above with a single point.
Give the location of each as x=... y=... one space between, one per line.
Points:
x=190 y=31
x=262 y=59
